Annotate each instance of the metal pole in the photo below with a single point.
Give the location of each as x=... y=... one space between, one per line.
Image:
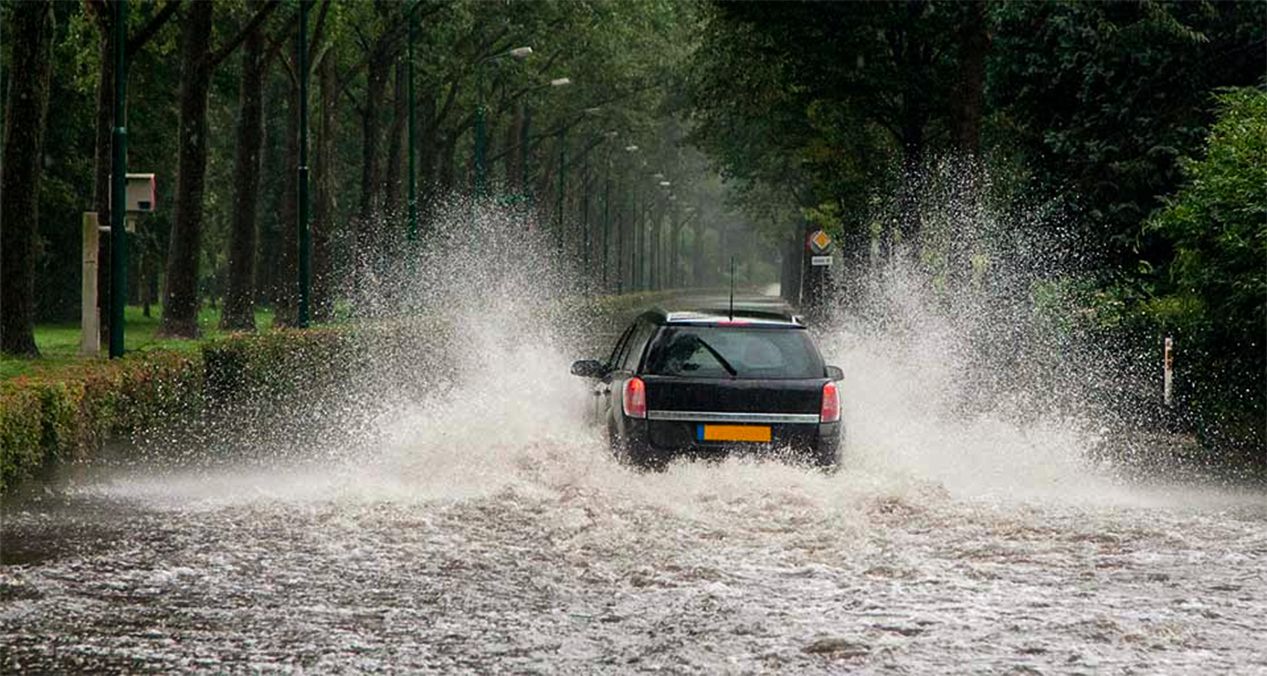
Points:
x=480 y=134
x=587 y=241
x=670 y=277
x=607 y=197
x=558 y=205
x=413 y=147
x=620 y=257
x=635 y=242
x=305 y=236
x=119 y=183
x=525 y=179
x=657 y=239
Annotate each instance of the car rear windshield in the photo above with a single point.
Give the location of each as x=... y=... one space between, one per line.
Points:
x=733 y=352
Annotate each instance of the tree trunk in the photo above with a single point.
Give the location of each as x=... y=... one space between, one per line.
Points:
x=969 y=101
x=909 y=219
x=286 y=292
x=102 y=161
x=180 y=305
x=368 y=227
x=239 y=304
x=429 y=144
x=793 y=261
x=513 y=155
x=25 y=116
x=273 y=179
x=146 y=282
x=448 y=164
x=394 y=181
x=323 y=203
x=914 y=58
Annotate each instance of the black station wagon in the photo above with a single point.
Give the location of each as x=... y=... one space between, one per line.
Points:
x=707 y=382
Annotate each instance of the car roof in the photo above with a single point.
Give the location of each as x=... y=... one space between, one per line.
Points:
x=763 y=311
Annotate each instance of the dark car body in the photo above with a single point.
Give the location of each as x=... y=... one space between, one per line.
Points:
x=717 y=382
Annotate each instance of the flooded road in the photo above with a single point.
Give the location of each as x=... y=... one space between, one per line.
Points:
x=463 y=516
x=488 y=530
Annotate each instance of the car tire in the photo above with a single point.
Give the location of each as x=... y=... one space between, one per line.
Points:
x=646 y=459
x=828 y=461
x=634 y=455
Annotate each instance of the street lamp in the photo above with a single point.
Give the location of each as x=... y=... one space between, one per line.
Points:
x=620 y=232
x=119 y=183
x=481 y=131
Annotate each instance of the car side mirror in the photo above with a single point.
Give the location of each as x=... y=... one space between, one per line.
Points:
x=589 y=368
x=835 y=373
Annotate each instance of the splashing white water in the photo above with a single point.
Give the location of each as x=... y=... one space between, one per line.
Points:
x=489 y=405
x=482 y=525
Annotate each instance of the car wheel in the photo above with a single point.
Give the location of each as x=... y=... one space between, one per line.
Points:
x=826 y=460
x=646 y=459
x=634 y=455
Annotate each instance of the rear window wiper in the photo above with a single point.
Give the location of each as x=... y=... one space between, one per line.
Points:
x=720 y=359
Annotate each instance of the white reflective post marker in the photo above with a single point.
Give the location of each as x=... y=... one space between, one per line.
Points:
x=1168 y=365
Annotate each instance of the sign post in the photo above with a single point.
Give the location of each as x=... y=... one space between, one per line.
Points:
x=118 y=183
x=89 y=313
x=818 y=244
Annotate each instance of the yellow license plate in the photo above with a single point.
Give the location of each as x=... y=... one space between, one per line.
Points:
x=733 y=433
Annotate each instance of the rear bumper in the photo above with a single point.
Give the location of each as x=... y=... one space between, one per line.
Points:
x=818 y=442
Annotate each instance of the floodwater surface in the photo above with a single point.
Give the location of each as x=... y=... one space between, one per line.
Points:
x=487 y=529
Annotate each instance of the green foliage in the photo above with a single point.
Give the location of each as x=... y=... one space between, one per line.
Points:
x=59 y=343
x=69 y=414
x=1104 y=98
x=21 y=432
x=1212 y=291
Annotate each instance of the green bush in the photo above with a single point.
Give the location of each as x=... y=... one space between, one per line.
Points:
x=1212 y=293
x=21 y=430
x=45 y=419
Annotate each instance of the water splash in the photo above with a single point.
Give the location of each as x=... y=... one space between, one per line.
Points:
x=955 y=387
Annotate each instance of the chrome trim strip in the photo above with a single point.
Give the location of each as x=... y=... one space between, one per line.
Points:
x=723 y=417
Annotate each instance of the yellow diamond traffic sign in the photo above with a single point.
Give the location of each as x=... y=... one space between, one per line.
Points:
x=819 y=241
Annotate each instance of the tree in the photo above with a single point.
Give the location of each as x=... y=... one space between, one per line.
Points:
x=198 y=61
x=833 y=102
x=25 y=115
x=104 y=19
x=239 y=305
x=1211 y=291
x=1104 y=98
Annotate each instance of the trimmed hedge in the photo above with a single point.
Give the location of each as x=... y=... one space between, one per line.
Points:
x=45 y=419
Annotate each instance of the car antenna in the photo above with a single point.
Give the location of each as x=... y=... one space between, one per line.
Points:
x=732 y=288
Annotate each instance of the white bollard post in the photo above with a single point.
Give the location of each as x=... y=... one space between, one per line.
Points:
x=1168 y=365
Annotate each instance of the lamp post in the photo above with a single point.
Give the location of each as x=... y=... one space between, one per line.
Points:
x=481 y=131
x=607 y=198
x=525 y=141
x=658 y=261
x=119 y=183
x=633 y=235
x=587 y=241
x=620 y=235
x=412 y=234
x=558 y=205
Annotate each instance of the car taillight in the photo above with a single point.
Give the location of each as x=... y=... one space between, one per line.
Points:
x=635 y=398
x=830 y=412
